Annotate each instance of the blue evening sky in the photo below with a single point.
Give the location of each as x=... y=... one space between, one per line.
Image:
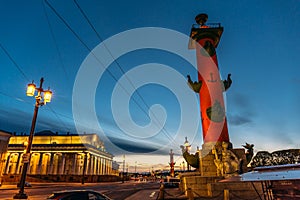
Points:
x=260 y=47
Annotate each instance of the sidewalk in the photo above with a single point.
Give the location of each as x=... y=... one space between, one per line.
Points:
x=8 y=187
x=36 y=185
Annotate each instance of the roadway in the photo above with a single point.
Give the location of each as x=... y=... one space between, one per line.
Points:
x=116 y=190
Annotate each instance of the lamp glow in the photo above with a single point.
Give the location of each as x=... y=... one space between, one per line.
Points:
x=30 y=89
x=47 y=96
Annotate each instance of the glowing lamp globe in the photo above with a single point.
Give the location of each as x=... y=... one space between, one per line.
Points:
x=47 y=96
x=30 y=89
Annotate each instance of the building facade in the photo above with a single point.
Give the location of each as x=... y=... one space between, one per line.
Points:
x=54 y=154
x=4 y=139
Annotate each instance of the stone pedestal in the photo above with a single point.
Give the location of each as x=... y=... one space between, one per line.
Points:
x=207 y=159
x=209 y=186
x=205 y=182
x=196 y=182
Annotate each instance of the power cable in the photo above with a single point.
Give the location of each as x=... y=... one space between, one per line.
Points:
x=119 y=66
x=90 y=50
x=24 y=75
x=55 y=42
x=14 y=62
x=56 y=115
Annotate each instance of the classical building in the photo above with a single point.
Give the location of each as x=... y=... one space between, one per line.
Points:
x=4 y=139
x=54 y=154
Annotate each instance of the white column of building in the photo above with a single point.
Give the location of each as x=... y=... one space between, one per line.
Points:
x=74 y=163
x=109 y=166
x=50 y=169
x=17 y=164
x=45 y=163
x=87 y=163
x=56 y=162
x=81 y=164
x=62 y=165
x=95 y=165
x=6 y=169
x=91 y=164
x=39 y=168
x=104 y=166
x=99 y=166
x=78 y=163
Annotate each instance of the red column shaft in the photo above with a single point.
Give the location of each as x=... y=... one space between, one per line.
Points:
x=214 y=124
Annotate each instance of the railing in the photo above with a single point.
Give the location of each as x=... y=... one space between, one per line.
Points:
x=209 y=25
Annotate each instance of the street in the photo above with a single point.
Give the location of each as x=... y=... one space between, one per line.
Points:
x=116 y=190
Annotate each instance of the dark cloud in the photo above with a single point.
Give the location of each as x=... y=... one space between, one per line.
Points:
x=238 y=120
x=19 y=121
x=14 y=120
x=244 y=111
x=242 y=101
x=130 y=146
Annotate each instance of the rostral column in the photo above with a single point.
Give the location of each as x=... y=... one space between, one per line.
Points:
x=205 y=39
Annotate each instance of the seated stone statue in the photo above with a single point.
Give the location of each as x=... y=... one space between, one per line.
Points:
x=230 y=160
x=218 y=162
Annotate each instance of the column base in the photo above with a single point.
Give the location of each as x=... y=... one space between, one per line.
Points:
x=20 y=196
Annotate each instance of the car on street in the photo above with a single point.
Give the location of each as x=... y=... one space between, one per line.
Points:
x=77 y=195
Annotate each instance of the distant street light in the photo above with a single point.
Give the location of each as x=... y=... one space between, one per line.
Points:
x=123 y=173
x=40 y=101
x=135 y=169
x=187 y=148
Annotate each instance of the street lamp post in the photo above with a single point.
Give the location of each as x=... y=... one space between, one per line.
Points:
x=40 y=101
x=187 y=148
x=123 y=173
x=135 y=170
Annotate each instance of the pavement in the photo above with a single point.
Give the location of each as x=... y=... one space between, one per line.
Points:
x=40 y=185
x=8 y=187
x=169 y=193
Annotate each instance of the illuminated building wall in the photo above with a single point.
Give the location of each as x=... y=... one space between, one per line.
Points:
x=59 y=154
x=4 y=139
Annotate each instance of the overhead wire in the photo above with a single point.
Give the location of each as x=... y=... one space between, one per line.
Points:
x=26 y=78
x=59 y=56
x=14 y=62
x=30 y=103
x=109 y=72
x=55 y=42
x=119 y=66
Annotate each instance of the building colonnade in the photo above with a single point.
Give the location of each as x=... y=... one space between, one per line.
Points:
x=58 y=163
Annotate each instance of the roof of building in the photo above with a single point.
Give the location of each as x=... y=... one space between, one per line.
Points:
x=49 y=141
